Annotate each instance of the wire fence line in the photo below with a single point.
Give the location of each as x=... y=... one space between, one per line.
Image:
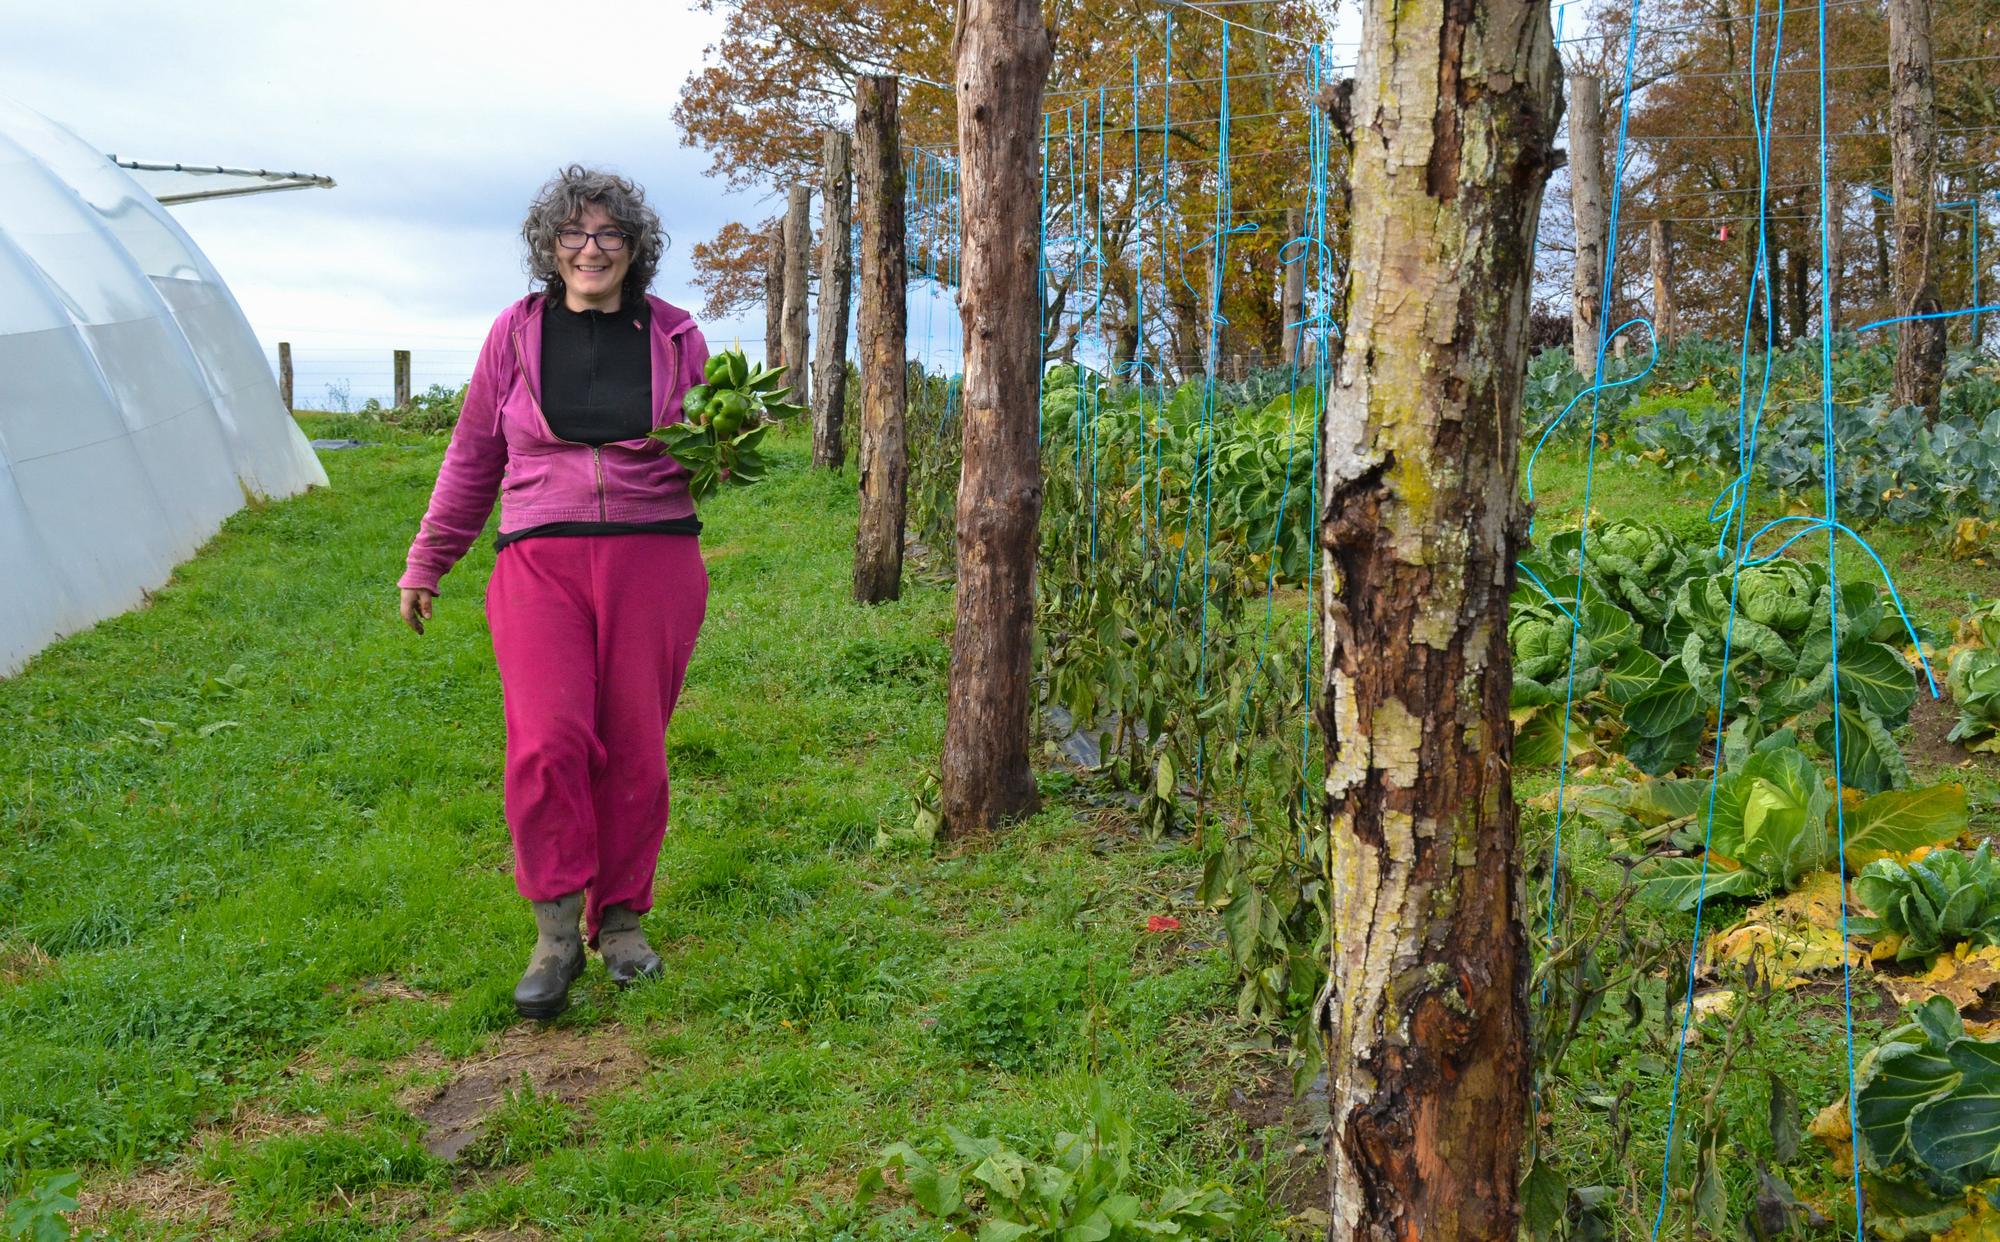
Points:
x=344 y=379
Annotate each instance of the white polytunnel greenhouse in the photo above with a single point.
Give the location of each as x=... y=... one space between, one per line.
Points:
x=137 y=410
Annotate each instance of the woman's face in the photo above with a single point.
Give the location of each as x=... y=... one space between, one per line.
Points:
x=592 y=276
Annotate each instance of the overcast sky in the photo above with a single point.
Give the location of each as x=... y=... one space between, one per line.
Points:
x=438 y=120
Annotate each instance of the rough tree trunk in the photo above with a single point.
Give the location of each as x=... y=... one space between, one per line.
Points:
x=1184 y=325
x=1836 y=242
x=1124 y=289
x=798 y=244
x=1003 y=52
x=829 y=388
x=1293 y=304
x=1885 y=276
x=1913 y=166
x=1800 y=275
x=1426 y=1011
x=774 y=297
x=1586 y=207
x=1666 y=315
x=882 y=328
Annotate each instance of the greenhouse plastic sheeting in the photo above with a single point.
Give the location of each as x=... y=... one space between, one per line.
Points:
x=136 y=408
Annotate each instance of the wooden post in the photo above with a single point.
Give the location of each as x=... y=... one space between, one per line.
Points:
x=1293 y=305
x=1003 y=52
x=285 y=373
x=1885 y=274
x=1836 y=236
x=1798 y=275
x=1666 y=315
x=402 y=378
x=1586 y=206
x=829 y=389
x=1913 y=168
x=798 y=241
x=1426 y=1016
x=774 y=296
x=881 y=331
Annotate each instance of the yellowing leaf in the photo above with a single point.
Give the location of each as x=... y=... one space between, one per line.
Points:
x=1981 y=1223
x=1962 y=976
x=1970 y=538
x=1790 y=937
x=1899 y=820
x=1714 y=1003
x=1887 y=947
x=1832 y=1126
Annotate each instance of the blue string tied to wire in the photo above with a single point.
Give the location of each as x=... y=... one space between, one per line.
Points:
x=1738 y=501
x=1597 y=387
x=1812 y=524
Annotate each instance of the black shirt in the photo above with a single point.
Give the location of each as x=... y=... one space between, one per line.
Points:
x=597 y=388
x=597 y=373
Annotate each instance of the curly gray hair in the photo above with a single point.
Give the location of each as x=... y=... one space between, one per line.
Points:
x=559 y=203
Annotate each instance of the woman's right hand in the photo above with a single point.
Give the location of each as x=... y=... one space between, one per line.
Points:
x=417 y=607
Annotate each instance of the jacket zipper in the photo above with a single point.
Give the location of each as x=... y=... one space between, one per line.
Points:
x=596 y=451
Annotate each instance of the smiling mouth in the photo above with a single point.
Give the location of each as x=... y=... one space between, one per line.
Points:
x=592 y=270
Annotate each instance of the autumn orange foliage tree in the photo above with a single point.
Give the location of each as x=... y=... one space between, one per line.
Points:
x=783 y=70
x=729 y=268
x=1692 y=158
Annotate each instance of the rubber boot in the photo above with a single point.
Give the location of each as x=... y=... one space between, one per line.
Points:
x=558 y=959
x=627 y=956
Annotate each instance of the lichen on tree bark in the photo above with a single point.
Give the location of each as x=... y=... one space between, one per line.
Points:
x=1454 y=114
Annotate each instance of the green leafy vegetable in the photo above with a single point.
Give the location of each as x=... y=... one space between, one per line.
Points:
x=1927 y=1102
x=1943 y=899
x=724 y=421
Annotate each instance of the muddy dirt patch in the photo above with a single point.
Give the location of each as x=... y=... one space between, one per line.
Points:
x=569 y=1065
x=1293 y=1131
x=1931 y=720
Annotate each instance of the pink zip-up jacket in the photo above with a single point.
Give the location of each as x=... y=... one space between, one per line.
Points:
x=503 y=445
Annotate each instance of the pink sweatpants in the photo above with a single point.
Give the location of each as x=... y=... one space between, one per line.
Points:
x=592 y=634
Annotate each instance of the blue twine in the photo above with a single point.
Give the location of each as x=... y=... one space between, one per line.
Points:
x=1547 y=594
x=1739 y=493
x=1160 y=229
x=1097 y=246
x=1590 y=469
x=1224 y=208
x=1950 y=314
x=1137 y=365
x=1042 y=282
x=1599 y=386
x=1833 y=611
x=1317 y=191
x=1746 y=435
x=1319 y=142
x=1895 y=597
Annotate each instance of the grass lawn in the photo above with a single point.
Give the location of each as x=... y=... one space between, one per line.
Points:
x=258 y=928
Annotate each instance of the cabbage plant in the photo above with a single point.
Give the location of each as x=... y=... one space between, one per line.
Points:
x=1943 y=899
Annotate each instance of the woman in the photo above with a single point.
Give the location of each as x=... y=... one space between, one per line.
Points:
x=598 y=587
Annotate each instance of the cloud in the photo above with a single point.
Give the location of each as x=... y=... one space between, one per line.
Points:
x=438 y=119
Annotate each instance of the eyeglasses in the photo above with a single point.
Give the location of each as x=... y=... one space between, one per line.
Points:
x=609 y=240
